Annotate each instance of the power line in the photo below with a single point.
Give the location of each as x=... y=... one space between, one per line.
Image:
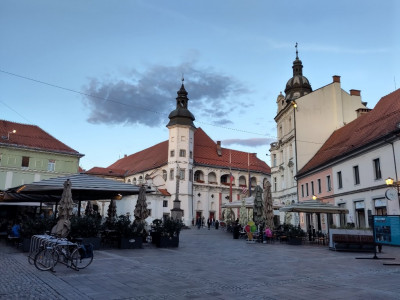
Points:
x=117 y=102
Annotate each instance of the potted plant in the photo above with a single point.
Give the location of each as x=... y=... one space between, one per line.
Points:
x=86 y=228
x=167 y=232
x=35 y=226
x=130 y=233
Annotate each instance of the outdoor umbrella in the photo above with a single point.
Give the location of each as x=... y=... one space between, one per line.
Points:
x=243 y=214
x=268 y=209
x=112 y=211
x=141 y=212
x=63 y=226
x=89 y=209
x=258 y=206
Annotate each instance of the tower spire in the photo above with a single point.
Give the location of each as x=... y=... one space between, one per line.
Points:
x=297 y=52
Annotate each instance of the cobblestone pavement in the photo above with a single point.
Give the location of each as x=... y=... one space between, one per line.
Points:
x=208 y=264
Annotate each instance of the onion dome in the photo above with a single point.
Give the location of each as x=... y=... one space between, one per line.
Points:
x=298 y=85
x=181 y=115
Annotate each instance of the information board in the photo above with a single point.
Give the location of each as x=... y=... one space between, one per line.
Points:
x=387 y=230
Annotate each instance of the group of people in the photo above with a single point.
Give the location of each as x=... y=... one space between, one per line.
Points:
x=200 y=222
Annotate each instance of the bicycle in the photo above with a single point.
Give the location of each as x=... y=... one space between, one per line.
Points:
x=73 y=255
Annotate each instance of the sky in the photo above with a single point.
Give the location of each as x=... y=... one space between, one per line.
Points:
x=102 y=76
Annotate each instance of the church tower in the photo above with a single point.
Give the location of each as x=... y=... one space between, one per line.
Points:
x=180 y=158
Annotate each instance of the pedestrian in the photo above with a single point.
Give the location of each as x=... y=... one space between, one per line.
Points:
x=216 y=224
x=208 y=223
x=198 y=223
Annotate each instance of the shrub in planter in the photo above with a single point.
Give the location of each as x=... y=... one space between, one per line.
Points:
x=31 y=227
x=166 y=234
x=130 y=233
x=87 y=228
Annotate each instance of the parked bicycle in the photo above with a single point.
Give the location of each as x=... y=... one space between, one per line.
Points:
x=72 y=254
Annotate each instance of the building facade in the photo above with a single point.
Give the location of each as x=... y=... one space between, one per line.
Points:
x=189 y=166
x=305 y=120
x=354 y=163
x=28 y=153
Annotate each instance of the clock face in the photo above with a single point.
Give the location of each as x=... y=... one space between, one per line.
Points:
x=391 y=194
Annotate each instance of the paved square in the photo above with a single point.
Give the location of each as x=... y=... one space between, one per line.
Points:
x=208 y=264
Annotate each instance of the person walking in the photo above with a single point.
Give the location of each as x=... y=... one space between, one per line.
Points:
x=209 y=223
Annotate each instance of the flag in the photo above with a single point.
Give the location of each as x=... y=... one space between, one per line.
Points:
x=244 y=190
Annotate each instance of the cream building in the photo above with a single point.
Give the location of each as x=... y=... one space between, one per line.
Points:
x=305 y=120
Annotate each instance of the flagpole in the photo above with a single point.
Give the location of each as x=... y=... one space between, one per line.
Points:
x=248 y=171
x=230 y=176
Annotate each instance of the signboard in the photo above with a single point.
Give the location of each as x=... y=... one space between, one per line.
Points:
x=387 y=230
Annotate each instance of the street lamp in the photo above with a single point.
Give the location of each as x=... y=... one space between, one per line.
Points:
x=314 y=197
x=391 y=193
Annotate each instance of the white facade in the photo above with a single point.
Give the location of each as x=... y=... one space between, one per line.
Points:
x=368 y=197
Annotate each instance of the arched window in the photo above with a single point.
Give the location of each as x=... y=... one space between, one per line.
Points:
x=199 y=176
x=242 y=181
x=212 y=178
x=140 y=179
x=164 y=175
x=253 y=182
x=129 y=181
x=225 y=179
x=134 y=181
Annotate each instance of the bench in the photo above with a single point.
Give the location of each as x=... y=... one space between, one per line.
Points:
x=353 y=242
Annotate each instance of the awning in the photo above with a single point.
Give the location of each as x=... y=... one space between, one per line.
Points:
x=84 y=187
x=249 y=203
x=314 y=206
x=23 y=204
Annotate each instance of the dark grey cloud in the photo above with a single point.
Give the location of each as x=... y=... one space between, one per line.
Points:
x=148 y=97
x=254 y=142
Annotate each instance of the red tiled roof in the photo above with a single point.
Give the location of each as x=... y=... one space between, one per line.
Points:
x=144 y=160
x=205 y=153
x=106 y=171
x=31 y=137
x=164 y=192
x=369 y=127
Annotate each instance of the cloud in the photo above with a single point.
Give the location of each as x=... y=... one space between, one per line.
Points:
x=254 y=142
x=148 y=97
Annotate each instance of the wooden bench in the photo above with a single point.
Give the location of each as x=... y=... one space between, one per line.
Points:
x=352 y=242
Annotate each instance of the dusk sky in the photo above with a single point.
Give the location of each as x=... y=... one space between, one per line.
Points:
x=102 y=76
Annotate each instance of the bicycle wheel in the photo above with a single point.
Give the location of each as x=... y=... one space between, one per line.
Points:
x=80 y=261
x=46 y=259
x=31 y=256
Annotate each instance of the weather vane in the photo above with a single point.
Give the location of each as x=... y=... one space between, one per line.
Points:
x=297 y=53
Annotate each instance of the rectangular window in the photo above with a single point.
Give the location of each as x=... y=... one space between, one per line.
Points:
x=182 y=174
x=182 y=153
x=339 y=179
x=165 y=203
x=149 y=212
x=275 y=185
x=302 y=190
x=274 y=160
x=356 y=174
x=172 y=153
x=51 y=166
x=319 y=186
x=312 y=188
x=25 y=162
x=328 y=183
x=377 y=169
x=307 y=189
x=171 y=174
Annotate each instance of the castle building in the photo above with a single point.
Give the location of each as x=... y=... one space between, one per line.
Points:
x=189 y=167
x=305 y=119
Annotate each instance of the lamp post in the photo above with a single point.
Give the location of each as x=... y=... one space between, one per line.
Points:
x=391 y=193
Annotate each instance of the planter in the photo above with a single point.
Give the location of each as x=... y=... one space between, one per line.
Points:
x=95 y=241
x=295 y=241
x=130 y=243
x=26 y=244
x=168 y=242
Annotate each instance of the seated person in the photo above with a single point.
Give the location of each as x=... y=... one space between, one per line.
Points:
x=15 y=230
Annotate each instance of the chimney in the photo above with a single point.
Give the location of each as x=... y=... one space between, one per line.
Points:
x=362 y=111
x=355 y=93
x=125 y=155
x=219 y=150
x=336 y=78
